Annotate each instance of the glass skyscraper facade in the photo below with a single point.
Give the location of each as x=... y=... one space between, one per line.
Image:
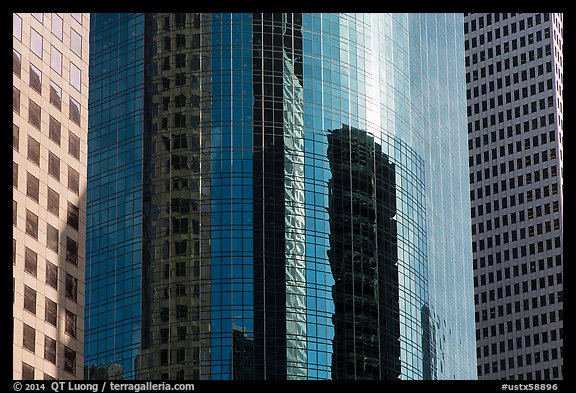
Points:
x=114 y=196
x=295 y=197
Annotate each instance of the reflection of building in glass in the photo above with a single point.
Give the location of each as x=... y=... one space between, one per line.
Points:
x=429 y=350
x=114 y=192
x=172 y=200
x=221 y=192
x=242 y=356
x=279 y=228
x=363 y=258
x=104 y=373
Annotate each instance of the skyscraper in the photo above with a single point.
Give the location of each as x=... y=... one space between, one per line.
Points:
x=114 y=196
x=50 y=110
x=278 y=196
x=514 y=78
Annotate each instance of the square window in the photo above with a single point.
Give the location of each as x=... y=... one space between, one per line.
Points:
x=180 y=60
x=32 y=187
x=15 y=137
x=75 y=76
x=51 y=275
x=35 y=78
x=165 y=314
x=181 y=312
x=54 y=130
x=17 y=27
x=180 y=19
x=72 y=215
x=164 y=357
x=180 y=100
x=179 y=120
x=29 y=338
x=34 y=114
x=74 y=111
x=29 y=299
x=14 y=175
x=77 y=16
x=54 y=166
x=164 y=335
x=56 y=96
x=53 y=202
x=71 y=287
x=15 y=100
x=180 y=40
x=56 y=60
x=74 y=145
x=71 y=251
x=36 y=43
x=31 y=224
x=57 y=25
x=34 y=150
x=52 y=238
x=182 y=331
x=16 y=63
x=179 y=355
x=51 y=312
x=180 y=225
x=180 y=79
x=69 y=360
x=27 y=372
x=180 y=247
x=166 y=63
x=30 y=262
x=73 y=180
x=70 y=323
x=76 y=43
x=50 y=349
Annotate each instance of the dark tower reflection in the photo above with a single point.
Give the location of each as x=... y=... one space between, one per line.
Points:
x=242 y=356
x=276 y=37
x=428 y=347
x=269 y=274
x=363 y=258
x=172 y=201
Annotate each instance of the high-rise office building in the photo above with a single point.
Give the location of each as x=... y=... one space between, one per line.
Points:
x=514 y=80
x=50 y=110
x=278 y=196
x=114 y=197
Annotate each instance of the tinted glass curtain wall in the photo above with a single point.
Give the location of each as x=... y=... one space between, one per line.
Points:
x=114 y=196
x=303 y=199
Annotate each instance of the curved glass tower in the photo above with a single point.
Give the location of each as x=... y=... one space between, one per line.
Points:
x=304 y=199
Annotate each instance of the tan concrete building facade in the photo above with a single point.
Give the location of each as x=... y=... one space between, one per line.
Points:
x=50 y=123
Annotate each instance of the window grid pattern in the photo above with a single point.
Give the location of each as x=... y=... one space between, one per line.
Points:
x=114 y=198
x=40 y=123
x=514 y=88
x=240 y=108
